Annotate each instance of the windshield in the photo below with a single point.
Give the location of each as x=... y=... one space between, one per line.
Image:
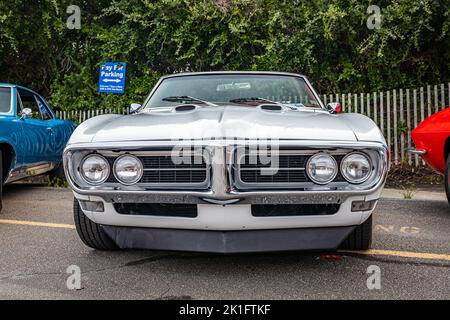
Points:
x=237 y=89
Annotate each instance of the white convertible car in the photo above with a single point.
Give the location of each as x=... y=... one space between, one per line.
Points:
x=227 y=162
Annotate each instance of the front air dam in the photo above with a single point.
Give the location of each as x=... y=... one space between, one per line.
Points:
x=228 y=241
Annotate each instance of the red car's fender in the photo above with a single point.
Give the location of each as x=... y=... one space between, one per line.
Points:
x=431 y=136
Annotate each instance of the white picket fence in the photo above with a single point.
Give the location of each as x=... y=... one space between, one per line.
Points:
x=396 y=112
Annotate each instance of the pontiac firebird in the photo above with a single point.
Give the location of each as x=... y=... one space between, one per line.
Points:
x=266 y=167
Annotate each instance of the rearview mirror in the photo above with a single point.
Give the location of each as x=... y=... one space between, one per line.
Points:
x=26 y=113
x=134 y=107
x=334 y=107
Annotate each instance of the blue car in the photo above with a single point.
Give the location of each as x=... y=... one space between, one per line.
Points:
x=32 y=139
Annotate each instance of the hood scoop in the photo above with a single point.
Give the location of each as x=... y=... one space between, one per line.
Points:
x=185 y=108
x=271 y=107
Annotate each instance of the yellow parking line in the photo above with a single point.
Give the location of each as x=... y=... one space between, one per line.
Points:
x=404 y=254
x=38 y=224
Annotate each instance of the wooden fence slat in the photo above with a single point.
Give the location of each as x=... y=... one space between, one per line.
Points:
x=375 y=108
x=355 y=97
x=429 y=99
x=408 y=124
x=388 y=120
x=402 y=133
x=362 y=102
x=436 y=104
x=442 y=96
x=416 y=158
x=448 y=85
x=381 y=114
x=395 y=127
x=349 y=102
x=368 y=104
x=422 y=108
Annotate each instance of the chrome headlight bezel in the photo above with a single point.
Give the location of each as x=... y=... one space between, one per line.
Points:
x=356 y=181
x=314 y=179
x=140 y=170
x=107 y=169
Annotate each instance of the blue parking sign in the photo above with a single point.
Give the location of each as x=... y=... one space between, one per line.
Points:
x=112 y=77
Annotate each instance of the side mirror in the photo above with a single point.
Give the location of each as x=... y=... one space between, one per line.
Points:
x=134 y=107
x=26 y=113
x=334 y=107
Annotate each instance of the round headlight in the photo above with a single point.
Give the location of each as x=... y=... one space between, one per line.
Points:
x=322 y=168
x=128 y=169
x=95 y=169
x=356 y=167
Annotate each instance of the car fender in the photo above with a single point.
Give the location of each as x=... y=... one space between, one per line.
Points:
x=364 y=128
x=87 y=130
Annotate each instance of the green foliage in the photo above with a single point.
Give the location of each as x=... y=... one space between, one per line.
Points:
x=402 y=127
x=326 y=40
x=57 y=183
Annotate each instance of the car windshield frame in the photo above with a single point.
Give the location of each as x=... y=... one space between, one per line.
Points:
x=146 y=106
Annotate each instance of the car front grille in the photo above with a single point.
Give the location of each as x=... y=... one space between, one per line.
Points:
x=161 y=171
x=288 y=170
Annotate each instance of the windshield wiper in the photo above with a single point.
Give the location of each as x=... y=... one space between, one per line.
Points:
x=256 y=99
x=187 y=99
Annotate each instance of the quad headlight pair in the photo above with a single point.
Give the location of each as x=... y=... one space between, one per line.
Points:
x=127 y=169
x=355 y=167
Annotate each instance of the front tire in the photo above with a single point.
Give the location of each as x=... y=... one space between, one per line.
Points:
x=360 y=238
x=90 y=232
x=447 y=177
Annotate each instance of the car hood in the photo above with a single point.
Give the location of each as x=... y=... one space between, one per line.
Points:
x=225 y=122
x=238 y=122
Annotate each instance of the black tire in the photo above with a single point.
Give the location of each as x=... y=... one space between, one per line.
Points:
x=447 y=176
x=360 y=238
x=90 y=232
x=1 y=180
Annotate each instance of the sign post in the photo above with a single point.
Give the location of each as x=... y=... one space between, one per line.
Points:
x=112 y=77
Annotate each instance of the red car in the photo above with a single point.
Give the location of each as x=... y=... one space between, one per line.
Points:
x=432 y=141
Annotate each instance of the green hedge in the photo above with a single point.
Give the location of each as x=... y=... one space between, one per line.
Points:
x=326 y=40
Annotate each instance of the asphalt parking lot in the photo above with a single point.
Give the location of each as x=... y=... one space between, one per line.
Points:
x=39 y=242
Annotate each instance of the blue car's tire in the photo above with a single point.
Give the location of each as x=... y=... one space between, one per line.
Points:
x=90 y=232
